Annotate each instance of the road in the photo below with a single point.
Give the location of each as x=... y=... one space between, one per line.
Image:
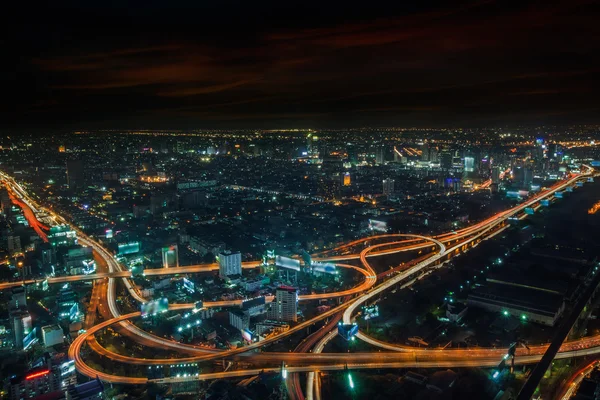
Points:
x=331 y=361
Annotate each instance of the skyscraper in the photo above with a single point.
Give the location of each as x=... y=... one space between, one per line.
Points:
x=230 y=264
x=388 y=187
x=446 y=159
x=346 y=180
x=379 y=155
x=469 y=164
x=285 y=305
x=425 y=152
x=170 y=256
x=21 y=326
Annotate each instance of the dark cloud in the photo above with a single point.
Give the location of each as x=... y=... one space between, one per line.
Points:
x=196 y=65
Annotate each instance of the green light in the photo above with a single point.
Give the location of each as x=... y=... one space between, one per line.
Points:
x=350 y=381
x=523 y=317
x=505 y=313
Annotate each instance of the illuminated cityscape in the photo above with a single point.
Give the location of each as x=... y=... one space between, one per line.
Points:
x=222 y=202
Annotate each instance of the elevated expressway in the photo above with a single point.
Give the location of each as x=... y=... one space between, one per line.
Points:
x=448 y=245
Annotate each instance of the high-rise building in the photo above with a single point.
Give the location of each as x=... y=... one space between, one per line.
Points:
x=170 y=256
x=21 y=326
x=239 y=319
x=230 y=264
x=379 y=155
x=18 y=298
x=62 y=235
x=12 y=243
x=496 y=175
x=346 y=180
x=388 y=187
x=36 y=382
x=434 y=155
x=469 y=164
x=425 y=152
x=75 y=178
x=5 y=202
x=527 y=177
x=446 y=159
x=285 y=305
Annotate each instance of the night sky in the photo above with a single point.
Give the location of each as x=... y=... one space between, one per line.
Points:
x=218 y=64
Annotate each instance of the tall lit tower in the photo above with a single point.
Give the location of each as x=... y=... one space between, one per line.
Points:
x=388 y=187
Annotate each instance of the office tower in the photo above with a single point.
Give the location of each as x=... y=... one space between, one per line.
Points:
x=469 y=164
x=446 y=159
x=379 y=155
x=434 y=155
x=346 y=180
x=388 y=187
x=5 y=202
x=527 y=177
x=75 y=177
x=170 y=256
x=21 y=325
x=62 y=235
x=12 y=243
x=239 y=319
x=230 y=264
x=18 y=298
x=425 y=152
x=36 y=382
x=285 y=305
x=352 y=152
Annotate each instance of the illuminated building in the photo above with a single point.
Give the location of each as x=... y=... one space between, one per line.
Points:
x=52 y=335
x=62 y=235
x=230 y=264
x=379 y=155
x=22 y=326
x=170 y=256
x=346 y=180
x=285 y=305
x=469 y=164
x=35 y=382
x=388 y=187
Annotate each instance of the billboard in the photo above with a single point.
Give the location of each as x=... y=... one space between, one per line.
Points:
x=286 y=262
x=154 y=307
x=128 y=248
x=30 y=339
x=545 y=202
x=529 y=211
x=247 y=335
x=189 y=285
x=326 y=268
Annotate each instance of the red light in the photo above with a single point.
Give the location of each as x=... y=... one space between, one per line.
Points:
x=37 y=374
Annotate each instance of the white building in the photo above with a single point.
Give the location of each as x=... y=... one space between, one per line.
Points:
x=285 y=305
x=52 y=335
x=230 y=264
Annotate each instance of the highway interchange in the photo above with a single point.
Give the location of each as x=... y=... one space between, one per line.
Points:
x=443 y=247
